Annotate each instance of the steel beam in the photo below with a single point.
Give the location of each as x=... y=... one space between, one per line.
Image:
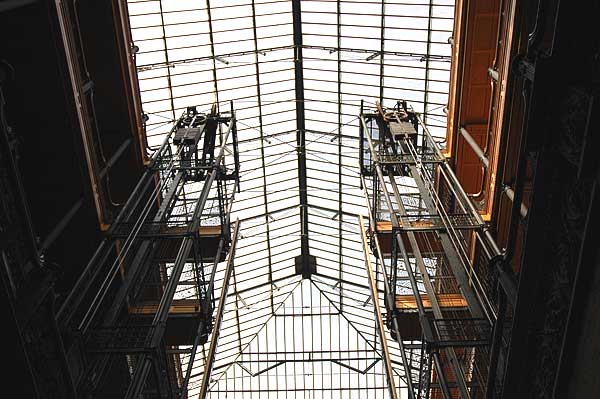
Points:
x=166 y=55
x=378 y=317
x=339 y=142
x=162 y=64
x=427 y=63
x=301 y=137
x=420 y=56
x=382 y=54
x=210 y=359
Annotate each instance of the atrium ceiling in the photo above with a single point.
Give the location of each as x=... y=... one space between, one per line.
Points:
x=296 y=72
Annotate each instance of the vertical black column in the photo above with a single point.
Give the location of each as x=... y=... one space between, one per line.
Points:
x=301 y=138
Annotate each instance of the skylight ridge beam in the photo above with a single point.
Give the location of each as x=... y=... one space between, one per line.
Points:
x=382 y=52
x=339 y=144
x=301 y=136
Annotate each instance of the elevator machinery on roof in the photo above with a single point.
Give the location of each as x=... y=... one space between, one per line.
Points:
x=147 y=296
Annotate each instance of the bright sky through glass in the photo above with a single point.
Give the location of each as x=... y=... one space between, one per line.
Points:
x=281 y=336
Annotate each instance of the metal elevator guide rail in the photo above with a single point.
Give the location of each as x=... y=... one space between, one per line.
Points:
x=147 y=295
x=423 y=229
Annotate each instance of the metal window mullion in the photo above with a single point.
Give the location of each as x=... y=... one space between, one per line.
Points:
x=164 y=37
x=426 y=90
x=382 y=52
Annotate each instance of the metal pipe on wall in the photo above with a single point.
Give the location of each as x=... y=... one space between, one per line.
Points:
x=474 y=146
x=511 y=196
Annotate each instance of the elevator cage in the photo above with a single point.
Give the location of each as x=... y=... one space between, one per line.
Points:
x=434 y=252
x=145 y=301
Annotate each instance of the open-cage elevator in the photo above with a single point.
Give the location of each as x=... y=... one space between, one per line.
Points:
x=145 y=301
x=434 y=254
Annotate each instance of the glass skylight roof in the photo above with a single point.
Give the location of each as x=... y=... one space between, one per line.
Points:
x=202 y=52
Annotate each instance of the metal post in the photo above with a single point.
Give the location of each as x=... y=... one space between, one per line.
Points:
x=219 y=316
x=379 y=318
x=201 y=325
